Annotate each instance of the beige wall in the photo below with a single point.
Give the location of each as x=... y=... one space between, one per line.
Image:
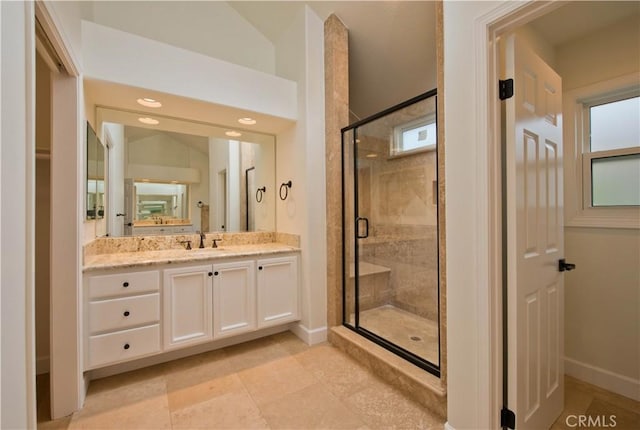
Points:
x=602 y=296
x=299 y=155
x=538 y=43
x=610 y=52
x=602 y=299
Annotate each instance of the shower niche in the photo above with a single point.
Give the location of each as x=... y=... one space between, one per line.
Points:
x=390 y=230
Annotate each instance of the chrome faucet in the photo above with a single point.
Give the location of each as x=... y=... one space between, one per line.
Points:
x=202 y=238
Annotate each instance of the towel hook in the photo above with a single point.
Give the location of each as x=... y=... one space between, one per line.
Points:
x=259 y=193
x=285 y=186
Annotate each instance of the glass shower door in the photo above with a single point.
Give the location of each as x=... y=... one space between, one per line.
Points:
x=390 y=230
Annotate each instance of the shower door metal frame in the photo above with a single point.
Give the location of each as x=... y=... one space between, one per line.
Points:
x=407 y=355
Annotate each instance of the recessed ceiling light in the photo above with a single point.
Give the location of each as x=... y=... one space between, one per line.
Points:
x=149 y=121
x=372 y=155
x=247 y=121
x=233 y=134
x=148 y=102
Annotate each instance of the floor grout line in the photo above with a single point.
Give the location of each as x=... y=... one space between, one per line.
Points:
x=356 y=396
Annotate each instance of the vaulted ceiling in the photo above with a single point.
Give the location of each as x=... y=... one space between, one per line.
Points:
x=392 y=50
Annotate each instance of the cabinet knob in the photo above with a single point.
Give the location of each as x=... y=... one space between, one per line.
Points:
x=127 y=346
x=210 y=273
x=126 y=313
x=215 y=273
x=125 y=284
x=259 y=267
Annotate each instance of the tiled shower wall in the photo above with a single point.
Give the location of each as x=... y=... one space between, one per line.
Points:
x=399 y=197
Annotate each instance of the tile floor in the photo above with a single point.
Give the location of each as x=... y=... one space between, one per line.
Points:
x=405 y=329
x=585 y=399
x=280 y=383
x=276 y=382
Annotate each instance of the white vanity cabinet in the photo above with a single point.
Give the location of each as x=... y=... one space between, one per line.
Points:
x=234 y=298
x=277 y=299
x=122 y=317
x=187 y=306
x=131 y=313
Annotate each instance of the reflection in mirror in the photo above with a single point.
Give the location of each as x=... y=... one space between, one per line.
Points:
x=157 y=201
x=179 y=176
x=95 y=176
x=250 y=180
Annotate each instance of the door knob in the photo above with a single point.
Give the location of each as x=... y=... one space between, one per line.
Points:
x=564 y=266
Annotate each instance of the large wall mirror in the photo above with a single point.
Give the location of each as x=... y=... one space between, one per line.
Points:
x=168 y=175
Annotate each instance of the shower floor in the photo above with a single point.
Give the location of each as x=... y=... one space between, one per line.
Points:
x=409 y=331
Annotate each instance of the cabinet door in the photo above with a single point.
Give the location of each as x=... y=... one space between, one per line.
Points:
x=187 y=306
x=277 y=291
x=234 y=300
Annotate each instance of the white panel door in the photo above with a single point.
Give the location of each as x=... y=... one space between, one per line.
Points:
x=234 y=298
x=534 y=239
x=277 y=291
x=187 y=306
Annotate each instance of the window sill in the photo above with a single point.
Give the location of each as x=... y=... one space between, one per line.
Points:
x=630 y=221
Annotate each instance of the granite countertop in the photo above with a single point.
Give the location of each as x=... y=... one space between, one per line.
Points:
x=123 y=260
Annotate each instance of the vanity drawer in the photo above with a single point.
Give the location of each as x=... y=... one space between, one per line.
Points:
x=125 y=312
x=123 y=283
x=123 y=345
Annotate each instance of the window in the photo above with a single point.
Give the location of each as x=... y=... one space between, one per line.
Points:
x=415 y=136
x=601 y=136
x=611 y=152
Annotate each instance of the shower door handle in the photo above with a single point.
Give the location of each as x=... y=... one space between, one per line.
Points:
x=366 y=228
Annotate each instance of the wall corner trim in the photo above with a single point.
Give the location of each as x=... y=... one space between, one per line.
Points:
x=310 y=337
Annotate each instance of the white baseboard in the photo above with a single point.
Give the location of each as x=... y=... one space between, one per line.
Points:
x=42 y=365
x=603 y=378
x=447 y=426
x=310 y=337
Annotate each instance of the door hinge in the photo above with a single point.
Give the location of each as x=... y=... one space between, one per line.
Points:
x=507 y=418
x=505 y=89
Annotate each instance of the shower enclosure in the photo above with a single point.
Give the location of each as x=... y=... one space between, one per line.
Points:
x=390 y=230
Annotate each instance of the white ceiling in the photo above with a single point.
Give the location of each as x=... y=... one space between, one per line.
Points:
x=216 y=119
x=392 y=43
x=199 y=143
x=579 y=18
x=392 y=54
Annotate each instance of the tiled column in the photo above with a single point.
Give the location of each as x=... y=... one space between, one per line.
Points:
x=442 y=227
x=336 y=70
